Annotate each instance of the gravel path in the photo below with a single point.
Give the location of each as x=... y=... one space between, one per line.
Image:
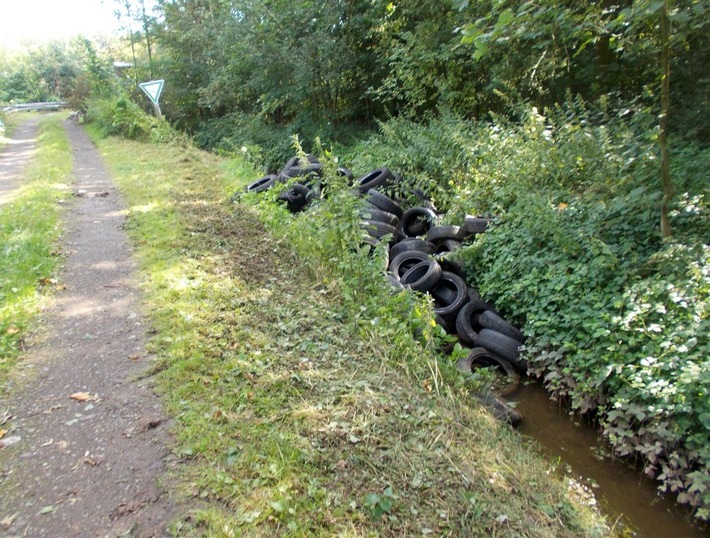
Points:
x=87 y=466
x=15 y=157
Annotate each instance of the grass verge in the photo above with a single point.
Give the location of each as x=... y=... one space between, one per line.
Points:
x=30 y=227
x=295 y=418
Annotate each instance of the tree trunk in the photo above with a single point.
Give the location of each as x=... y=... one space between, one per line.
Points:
x=146 y=30
x=668 y=190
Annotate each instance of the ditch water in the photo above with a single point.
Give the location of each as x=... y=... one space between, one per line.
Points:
x=623 y=493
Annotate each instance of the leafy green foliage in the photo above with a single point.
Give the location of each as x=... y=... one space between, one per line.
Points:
x=305 y=407
x=616 y=319
x=120 y=116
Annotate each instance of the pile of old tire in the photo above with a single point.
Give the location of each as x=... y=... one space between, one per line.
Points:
x=302 y=192
x=418 y=246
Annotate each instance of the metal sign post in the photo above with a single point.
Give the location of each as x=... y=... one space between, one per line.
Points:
x=152 y=89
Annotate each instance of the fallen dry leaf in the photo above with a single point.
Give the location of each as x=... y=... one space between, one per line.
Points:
x=8 y=521
x=12 y=330
x=48 y=281
x=60 y=287
x=81 y=396
x=134 y=357
x=2 y=433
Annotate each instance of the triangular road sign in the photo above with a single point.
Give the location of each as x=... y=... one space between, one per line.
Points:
x=152 y=89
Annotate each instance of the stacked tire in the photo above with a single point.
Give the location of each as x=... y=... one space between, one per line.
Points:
x=418 y=246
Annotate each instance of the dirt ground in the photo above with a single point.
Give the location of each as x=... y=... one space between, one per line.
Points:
x=15 y=157
x=88 y=465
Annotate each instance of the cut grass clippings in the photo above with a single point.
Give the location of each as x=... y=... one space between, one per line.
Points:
x=291 y=419
x=30 y=227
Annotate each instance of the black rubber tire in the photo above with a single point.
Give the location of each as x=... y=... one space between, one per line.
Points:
x=297 y=197
x=377 y=178
x=491 y=320
x=450 y=266
x=309 y=173
x=448 y=306
x=417 y=221
x=450 y=245
x=379 y=229
x=438 y=234
x=263 y=184
x=412 y=243
x=372 y=243
x=384 y=202
x=345 y=172
x=404 y=261
x=499 y=408
x=480 y=357
x=503 y=345
x=477 y=308
x=372 y=213
x=394 y=282
x=464 y=325
x=475 y=225
x=293 y=161
x=423 y=276
x=442 y=323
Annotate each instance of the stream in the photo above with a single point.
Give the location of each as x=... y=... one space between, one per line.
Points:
x=623 y=492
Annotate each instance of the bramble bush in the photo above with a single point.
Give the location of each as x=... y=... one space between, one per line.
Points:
x=616 y=318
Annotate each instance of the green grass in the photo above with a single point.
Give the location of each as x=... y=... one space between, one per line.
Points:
x=293 y=416
x=30 y=227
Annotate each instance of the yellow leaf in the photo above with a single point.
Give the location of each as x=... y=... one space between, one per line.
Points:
x=562 y=206
x=12 y=330
x=2 y=433
x=81 y=396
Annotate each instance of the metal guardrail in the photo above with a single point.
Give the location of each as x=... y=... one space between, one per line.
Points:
x=35 y=106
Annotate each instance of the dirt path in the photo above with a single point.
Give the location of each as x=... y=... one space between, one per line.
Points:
x=15 y=156
x=89 y=466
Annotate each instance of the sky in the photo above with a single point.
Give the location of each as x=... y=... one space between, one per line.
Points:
x=46 y=20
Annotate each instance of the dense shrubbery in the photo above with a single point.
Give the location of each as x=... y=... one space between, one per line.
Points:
x=616 y=317
x=120 y=116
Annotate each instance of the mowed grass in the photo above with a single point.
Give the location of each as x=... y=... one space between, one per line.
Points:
x=30 y=228
x=290 y=418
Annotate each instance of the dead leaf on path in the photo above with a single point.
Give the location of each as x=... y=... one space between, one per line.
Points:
x=2 y=433
x=7 y=441
x=134 y=357
x=12 y=330
x=60 y=287
x=48 y=281
x=81 y=396
x=8 y=521
x=52 y=409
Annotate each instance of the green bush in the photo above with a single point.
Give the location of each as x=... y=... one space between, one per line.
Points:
x=616 y=318
x=120 y=116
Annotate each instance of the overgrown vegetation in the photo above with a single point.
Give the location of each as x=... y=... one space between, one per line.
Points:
x=305 y=405
x=616 y=318
x=30 y=226
x=542 y=114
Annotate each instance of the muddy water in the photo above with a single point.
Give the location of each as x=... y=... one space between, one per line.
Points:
x=623 y=493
